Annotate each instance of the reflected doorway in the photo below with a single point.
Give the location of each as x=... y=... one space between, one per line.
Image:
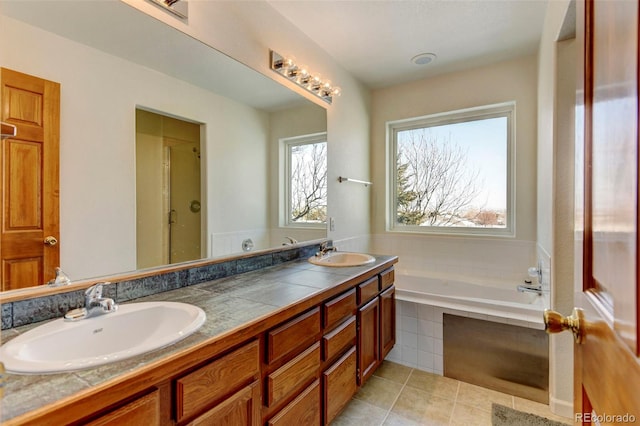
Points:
x=168 y=190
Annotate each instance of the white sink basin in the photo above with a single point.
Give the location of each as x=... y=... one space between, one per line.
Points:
x=131 y=330
x=342 y=258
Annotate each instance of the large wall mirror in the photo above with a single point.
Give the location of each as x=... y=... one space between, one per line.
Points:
x=115 y=65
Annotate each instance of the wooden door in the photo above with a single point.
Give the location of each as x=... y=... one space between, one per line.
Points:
x=607 y=367
x=29 y=191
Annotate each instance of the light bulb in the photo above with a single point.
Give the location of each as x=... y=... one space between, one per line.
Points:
x=288 y=63
x=292 y=70
x=303 y=76
x=315 y=83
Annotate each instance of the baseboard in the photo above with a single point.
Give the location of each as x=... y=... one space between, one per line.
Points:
x=561 y=407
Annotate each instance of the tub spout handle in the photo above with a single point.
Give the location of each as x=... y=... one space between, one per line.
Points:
x=528 y=288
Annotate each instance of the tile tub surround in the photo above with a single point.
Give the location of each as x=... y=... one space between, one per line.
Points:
x=36 y=309
x=419 y=334
x=236 y=306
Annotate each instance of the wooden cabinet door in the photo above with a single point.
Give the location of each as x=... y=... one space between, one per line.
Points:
x=240 y=409
x=368 y=339
x=30 y=173
x=387 y=321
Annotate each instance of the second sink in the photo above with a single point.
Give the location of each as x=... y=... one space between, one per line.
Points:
x=340 y=258
x=134 y=329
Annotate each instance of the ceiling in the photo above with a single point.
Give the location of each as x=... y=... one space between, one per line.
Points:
x=376 y=39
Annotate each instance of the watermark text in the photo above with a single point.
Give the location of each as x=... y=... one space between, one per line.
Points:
x=604 y=418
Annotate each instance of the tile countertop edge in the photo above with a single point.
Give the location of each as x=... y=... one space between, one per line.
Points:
x=211 y=346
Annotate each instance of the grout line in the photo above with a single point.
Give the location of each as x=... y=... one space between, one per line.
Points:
x=397 y=396
x=455 y=402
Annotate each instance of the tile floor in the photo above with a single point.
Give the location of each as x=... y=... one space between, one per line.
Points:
x=402 y=396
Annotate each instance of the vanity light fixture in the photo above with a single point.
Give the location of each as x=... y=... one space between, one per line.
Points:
x=302 y=77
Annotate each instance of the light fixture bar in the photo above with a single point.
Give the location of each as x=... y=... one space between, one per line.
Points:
x=303 y=78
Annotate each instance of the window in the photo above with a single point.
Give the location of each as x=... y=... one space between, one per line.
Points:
x=453 y=172
x=306 y=180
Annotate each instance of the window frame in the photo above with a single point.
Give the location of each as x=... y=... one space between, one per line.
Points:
x=506 y=109
x=286 y=144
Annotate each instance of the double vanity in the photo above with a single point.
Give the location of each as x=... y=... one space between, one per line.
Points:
x=286 y=344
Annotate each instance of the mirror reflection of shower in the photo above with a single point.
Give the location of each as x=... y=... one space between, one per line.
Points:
x=168 y=193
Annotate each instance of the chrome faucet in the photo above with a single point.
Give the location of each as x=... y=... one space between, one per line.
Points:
x=60 y=279
x=325 y=248
x=290 y=241
x=94 y=304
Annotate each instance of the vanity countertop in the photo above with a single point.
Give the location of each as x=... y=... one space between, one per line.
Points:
x=234 y=304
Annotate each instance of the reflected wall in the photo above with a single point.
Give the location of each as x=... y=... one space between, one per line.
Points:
x=100 y=93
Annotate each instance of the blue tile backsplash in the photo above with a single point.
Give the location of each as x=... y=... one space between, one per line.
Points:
x=23 y=312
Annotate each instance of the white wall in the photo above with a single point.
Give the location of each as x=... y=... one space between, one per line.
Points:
x=99 y=94
x=556 y=97
x=504 y=259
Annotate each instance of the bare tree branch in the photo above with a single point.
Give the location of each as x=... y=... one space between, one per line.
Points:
x=309 y=182
x=436 y=185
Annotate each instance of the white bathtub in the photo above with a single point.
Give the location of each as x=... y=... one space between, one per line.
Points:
x=495 y=301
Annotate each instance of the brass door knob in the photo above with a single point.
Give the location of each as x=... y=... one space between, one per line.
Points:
x=50 y=240
x=555 y=323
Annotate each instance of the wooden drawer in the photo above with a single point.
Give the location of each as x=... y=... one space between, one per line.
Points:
x=387 y=278
x=339 y=308
x=144 y=410
x=208 y=385
x=293 y=336
x=304 y=410
x=242 y=408
x=367 y=290
x=339 y=384
x=339 y=339
x=292 y=376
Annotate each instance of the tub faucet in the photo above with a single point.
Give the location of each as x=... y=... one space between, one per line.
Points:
x=530 y=288
x=94 y=304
